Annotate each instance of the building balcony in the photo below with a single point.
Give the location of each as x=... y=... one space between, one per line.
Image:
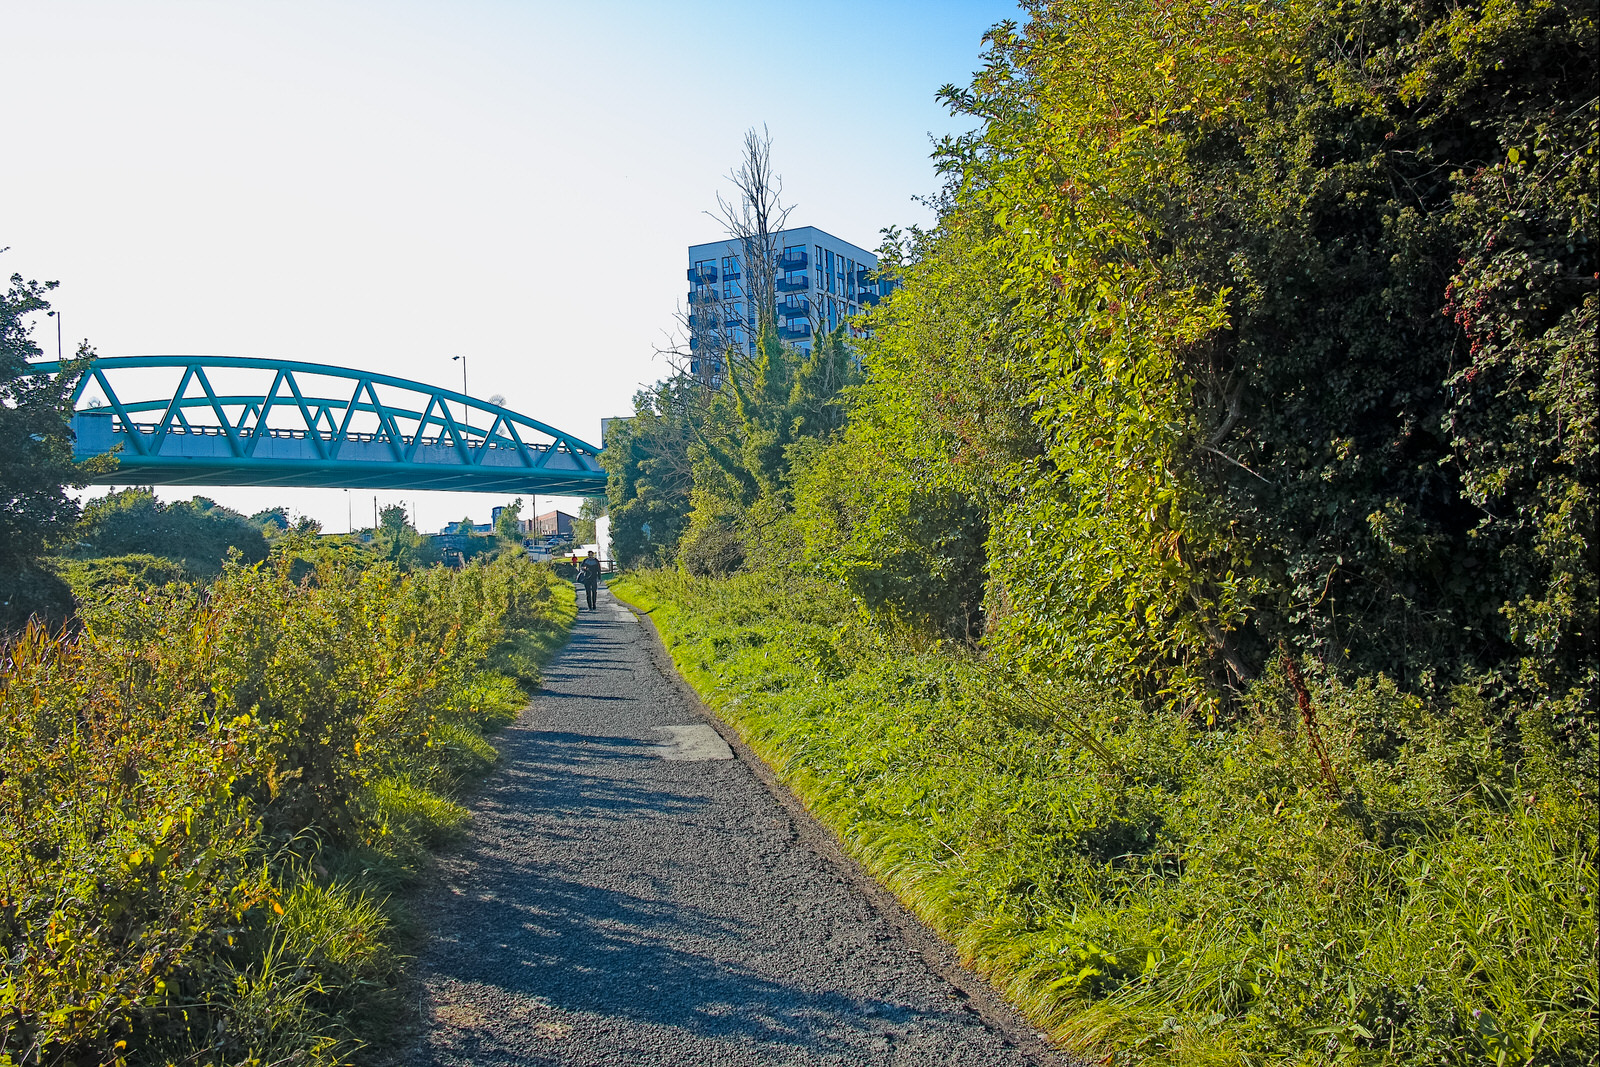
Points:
x=704 y=296
x=704 y=322
x=795 y=308
x=798 y=284
x=794 y=261
x=702 y=275
x=868 y=297
x=793 y=331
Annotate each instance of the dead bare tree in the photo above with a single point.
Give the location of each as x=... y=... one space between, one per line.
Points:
x=715 y=329
x=754 y=218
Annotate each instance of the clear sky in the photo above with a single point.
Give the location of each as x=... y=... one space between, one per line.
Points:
x=384 y=185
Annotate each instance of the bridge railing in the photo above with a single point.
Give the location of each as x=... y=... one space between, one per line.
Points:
x=151 y=429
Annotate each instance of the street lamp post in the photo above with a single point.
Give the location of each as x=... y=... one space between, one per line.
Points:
x=57 y=316
x=463 y=360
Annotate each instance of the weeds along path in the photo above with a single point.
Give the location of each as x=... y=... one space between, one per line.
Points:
x=632 y=893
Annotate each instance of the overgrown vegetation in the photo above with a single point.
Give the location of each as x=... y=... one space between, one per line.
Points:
x=198 y=534
x=1142 y=885
x=1254 y=342
x=211 y=792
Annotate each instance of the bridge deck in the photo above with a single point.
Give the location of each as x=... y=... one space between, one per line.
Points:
x=206 y=456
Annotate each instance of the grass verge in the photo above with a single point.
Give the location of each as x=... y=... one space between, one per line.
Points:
x=1152 y=891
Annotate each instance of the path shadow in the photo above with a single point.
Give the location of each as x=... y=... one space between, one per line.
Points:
x=585 y=948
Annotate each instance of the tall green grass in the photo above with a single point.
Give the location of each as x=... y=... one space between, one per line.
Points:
x=1157 y=891
x=209 y=797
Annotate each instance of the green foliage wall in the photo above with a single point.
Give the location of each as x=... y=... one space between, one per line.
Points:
x=1243 y=327
x=1253 y=324
x=198 y=532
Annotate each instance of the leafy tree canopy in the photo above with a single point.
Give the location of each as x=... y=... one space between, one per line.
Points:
x=199 y=532
x=35 y=442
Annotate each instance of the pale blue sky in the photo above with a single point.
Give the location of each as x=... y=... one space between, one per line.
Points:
x=385 y=185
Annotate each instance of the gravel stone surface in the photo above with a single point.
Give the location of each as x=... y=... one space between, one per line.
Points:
x=635 y=892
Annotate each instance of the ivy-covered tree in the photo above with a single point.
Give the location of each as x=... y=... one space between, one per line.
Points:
x=649 y=472
x=508 y=525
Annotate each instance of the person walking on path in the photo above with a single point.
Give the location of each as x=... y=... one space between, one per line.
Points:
x=589 y=575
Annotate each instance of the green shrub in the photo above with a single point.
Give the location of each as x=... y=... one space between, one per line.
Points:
x=205 y=794
x=198 y=532
x=28 y=589
x=139 y=570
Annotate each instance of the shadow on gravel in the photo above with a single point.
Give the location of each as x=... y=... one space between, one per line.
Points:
x=559 y=695
x=586 y=949
x=588 y=921
x=531 y=933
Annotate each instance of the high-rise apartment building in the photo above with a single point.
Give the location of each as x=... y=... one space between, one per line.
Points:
x=819 y=282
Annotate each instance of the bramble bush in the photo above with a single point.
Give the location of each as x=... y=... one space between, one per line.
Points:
x=207 y=792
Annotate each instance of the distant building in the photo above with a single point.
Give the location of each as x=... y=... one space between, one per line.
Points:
x=558 y=523
x=820 y=280
x=454 y=529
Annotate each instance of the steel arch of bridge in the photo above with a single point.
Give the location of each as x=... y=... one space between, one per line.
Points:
x=375 y=431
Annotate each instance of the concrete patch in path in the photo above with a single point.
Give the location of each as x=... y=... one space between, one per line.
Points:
x=691 y=744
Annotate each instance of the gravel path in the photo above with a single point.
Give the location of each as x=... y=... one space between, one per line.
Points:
x=635 y=892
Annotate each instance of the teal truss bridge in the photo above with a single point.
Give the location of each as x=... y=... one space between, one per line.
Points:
x=228 y=420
